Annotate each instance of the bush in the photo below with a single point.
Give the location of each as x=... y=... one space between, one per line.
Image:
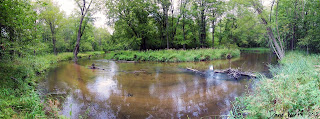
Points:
x=292 y=92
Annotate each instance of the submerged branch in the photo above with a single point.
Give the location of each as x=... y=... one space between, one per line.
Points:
x=234 y=73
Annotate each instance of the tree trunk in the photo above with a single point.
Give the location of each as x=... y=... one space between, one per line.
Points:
x=220 y=35
x=165 y=14
x=294 y=36
x=277 y=48
x=183 y=24
x=84 y=11
x=52 y=27
x=76 y=49
x=54 y=45
x=213 y=29
x=184 y=34
x=202 y=25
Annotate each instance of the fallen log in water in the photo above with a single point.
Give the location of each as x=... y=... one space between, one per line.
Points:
x=234 y=73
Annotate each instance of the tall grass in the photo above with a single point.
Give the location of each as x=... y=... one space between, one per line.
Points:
x=18 y=95
x=256 y=50
x=173 y=55
x=293 y=92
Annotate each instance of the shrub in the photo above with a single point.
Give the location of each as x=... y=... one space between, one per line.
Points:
x=292 y=92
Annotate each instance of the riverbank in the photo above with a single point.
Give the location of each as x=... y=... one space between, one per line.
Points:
x=292 y=92
x=18 y=94
x=255 y=50
x=173 y=55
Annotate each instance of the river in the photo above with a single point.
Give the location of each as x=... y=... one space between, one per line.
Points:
x=148 y=89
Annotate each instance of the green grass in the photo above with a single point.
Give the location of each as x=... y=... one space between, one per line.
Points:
x=257 y=50
x=173 y=55
x=18 y=95
x=292 y=92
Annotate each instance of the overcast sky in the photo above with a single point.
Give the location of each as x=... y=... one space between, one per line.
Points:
x=69 y=6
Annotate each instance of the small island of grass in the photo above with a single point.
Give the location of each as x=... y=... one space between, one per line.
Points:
x=173 y=55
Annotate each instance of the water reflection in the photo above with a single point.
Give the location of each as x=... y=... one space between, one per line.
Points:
x=147 y=90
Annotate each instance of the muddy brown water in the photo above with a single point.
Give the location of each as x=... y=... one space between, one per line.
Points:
x=148 y=89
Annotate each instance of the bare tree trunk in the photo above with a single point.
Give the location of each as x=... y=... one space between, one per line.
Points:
x=279 y=38
x=277 y=47
x=84 y=11
x=76 y=49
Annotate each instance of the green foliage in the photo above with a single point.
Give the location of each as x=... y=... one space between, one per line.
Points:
x=292 y=92
x=18 y=95
x=173 y=55
x=18 y=29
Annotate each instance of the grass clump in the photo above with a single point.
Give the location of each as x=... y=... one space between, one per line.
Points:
x=18 y=89
x=293 y=92
x=173 y=55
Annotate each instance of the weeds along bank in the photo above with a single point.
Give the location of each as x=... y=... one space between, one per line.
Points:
x=292 y=92
x=256 y=50
x=173 y=55
x=18 y=95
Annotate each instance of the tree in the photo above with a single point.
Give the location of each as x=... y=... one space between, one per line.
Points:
x=278 y=49
x=165 y=4
x=53 y=18
x=18 y=28
x=133 y=22
x=216 y=8
x=183 y=11
x=84 y=7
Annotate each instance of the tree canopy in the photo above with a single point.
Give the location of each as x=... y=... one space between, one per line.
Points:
x=37 y=27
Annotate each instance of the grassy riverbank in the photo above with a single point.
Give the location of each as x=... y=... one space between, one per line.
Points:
x=255 y=50
x=173 y=55
x=293 y=91
x=18 y=95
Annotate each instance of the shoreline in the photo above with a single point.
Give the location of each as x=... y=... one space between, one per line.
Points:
x=20 y=76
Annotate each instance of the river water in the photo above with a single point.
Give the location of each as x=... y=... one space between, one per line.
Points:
x=149 y=89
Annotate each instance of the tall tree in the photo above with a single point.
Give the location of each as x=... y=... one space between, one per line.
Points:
x=133 y=21
x=183 y=11
x=165 y=4
x=215 y=9
x=203 y=22
x=278 y=49
x=84 y=7
x=52 y=17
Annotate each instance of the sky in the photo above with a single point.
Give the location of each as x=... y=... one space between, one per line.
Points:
x=68 y=6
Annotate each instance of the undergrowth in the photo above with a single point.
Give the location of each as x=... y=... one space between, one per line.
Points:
x=18 y=89
x=293 y=92
x=173 y=55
